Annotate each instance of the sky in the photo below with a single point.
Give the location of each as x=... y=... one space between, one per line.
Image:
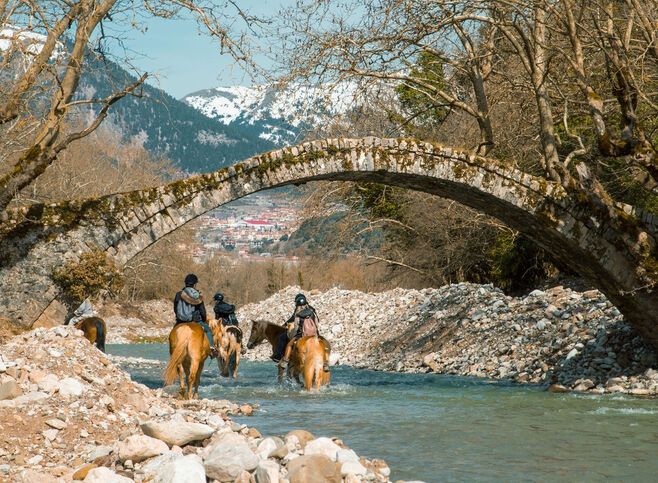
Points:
x=182 y=59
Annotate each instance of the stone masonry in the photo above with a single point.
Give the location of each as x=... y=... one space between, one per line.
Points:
x=597 y=244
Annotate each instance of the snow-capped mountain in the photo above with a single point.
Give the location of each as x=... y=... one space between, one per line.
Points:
x=279 y=114
x=23 y=40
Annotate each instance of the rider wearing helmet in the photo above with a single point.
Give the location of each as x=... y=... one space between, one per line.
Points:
x=295 y=326
x=224 y=312
x=300 y=304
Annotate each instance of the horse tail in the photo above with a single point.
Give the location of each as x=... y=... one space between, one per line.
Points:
x=312 y=355
x=100 y=334
x=171 y=371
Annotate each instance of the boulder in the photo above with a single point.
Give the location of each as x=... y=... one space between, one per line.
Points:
x=140 y=447
x=56 y=423
x=30 y=397
x=267 y=472
x=70 y=386
x=48 y=383
x=82 y=472
x=323 y=446
x=279 y=453
x=10 y=390
x=181 y=469
x=245 y=477
x=314 y=469
x=345 y=455
x=353 y=468
x=105 y=475
x=557 y=388
x=302 y=436
x=177 y=432
x=227 y=457
x=268 y=445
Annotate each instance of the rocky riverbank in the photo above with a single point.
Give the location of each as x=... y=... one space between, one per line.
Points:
x=68 y=413
x=559 y=337
x=572 y=340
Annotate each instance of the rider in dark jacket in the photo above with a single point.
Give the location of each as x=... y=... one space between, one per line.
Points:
x=300 y=301
x=193 y=298
x=295 y=327
x=224 y=312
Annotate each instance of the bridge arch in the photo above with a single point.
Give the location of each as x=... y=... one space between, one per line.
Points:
x=124 y=224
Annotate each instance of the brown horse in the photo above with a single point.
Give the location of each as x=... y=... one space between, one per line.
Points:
x=307 y=359
x=230 y=346
x=261 y=330
x=94 y=330
x=188 y=350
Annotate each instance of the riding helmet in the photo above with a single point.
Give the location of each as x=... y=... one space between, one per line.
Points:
x=300 y=299
x=191 y=279
x=219 y=297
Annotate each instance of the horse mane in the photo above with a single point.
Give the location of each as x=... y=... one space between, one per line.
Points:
x=265 y=322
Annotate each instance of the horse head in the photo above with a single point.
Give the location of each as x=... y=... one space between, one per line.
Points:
x=257 y=333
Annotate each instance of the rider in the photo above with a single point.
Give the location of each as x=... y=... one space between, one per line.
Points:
x=189 y=307
x=295 y=327
x=83 y=311
x=285 y=337
x=224 y=312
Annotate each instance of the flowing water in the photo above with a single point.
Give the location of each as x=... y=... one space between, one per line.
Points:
x=442 y=428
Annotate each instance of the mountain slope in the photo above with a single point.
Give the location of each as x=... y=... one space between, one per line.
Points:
x=170 y=127
x=279 y=115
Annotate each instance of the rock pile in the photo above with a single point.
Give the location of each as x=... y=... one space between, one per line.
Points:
x=148 y=321
x=68 y=413
x=570 y=339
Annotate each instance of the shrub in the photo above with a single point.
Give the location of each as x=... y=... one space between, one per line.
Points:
x=87 y=278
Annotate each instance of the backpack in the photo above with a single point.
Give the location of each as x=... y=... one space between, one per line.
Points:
x=308 y=324
x=309 y=327
x=224 y=311
x=184 y=311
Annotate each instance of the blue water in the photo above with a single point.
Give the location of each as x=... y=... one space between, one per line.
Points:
x=442 y=428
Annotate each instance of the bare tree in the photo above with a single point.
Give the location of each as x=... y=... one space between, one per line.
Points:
x=496 y=51
x=49 y=43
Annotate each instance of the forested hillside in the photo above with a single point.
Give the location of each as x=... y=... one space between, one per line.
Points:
x=169 y=127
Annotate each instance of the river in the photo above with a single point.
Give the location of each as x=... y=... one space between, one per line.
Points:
x=442 y=428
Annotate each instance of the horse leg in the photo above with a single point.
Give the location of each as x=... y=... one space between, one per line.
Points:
x=237 y=362
x=319 y=376
x=281 y=370
x=309 y=370
x=198 y=379
x=224 y=356
x=193 y=381
x=183 y=381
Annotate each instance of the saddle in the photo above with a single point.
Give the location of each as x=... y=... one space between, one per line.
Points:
x=237 y=332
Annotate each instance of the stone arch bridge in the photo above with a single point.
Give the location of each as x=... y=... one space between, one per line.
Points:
x=41 y=238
